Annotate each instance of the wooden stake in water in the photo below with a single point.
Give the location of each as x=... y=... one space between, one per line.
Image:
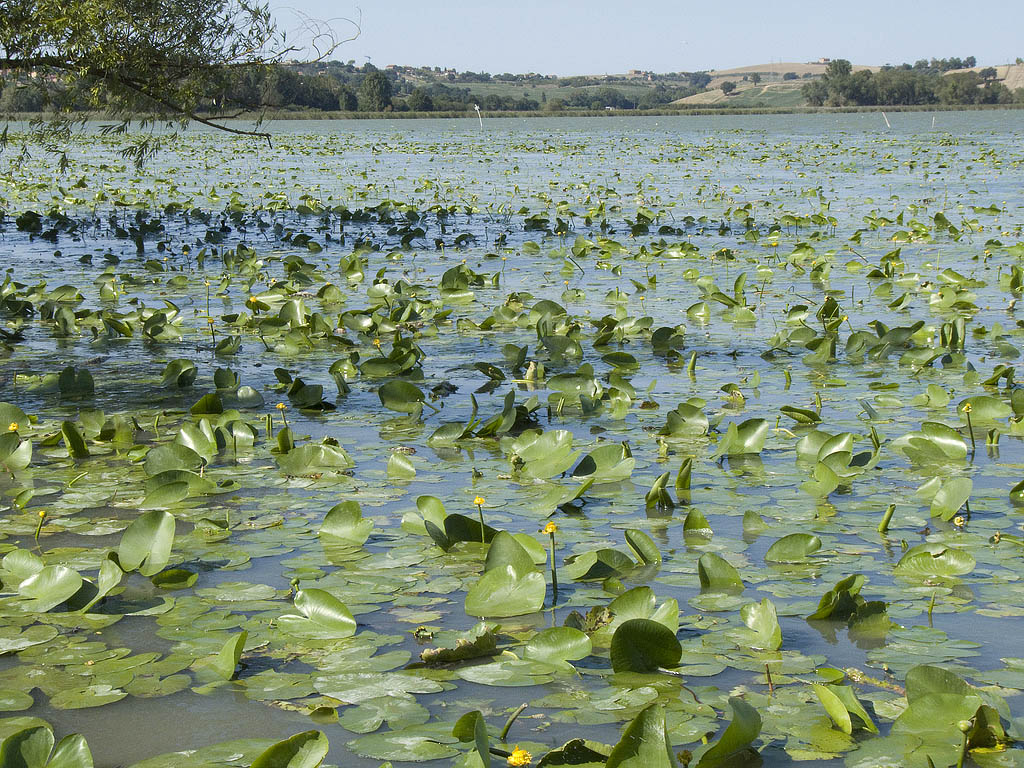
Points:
x=479 y=116
x=887 y=125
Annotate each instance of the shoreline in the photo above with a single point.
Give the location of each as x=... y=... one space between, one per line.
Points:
x=687 y=112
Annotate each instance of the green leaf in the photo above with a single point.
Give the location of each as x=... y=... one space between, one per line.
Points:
x=225 y=662
x=322 y=616
x=504 y=551
x=763 y=620
x=599 y=564
x=303 y=750
x=737 y=739
x=209 y=404
x=50 y=587
x=27 y=748
x=172 y=456
x=71 y=752
x=400 y=467
x=472 y=727
x=502 y=592
x=74 y=441
x=794 y=548
x=345 y=521
x=401 y=396
x=558 y=645
x=834 y=707
x=644 y=645
x=929 y=560
x=716 y=573
x=951 y=497
x=146 y=543
x=743 y=439
x=644 y=743
x=315 y=459
x=643 y=546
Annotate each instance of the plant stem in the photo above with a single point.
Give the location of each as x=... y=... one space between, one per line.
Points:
x=970 y=430
x=883 y=527
x=963 y=751
x=554 y=573
x=511 y=719
x=480 y=511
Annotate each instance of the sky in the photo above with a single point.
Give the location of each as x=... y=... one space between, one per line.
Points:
x=569 y=37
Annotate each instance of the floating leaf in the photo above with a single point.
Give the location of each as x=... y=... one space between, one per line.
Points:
x=794 y=548
x=322 y=616
x=502 y=592
x=303 y=750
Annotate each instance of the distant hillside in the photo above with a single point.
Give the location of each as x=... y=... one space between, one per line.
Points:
x=1010 y=75
x=801 y=69
x=781 y=84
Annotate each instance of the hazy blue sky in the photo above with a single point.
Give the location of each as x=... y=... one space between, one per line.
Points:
x=595 y=37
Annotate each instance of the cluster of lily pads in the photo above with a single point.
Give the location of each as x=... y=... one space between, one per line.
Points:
x=706 y=459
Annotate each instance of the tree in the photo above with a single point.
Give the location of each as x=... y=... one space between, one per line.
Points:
x=755 y=78
x=728 y=87
x=375 y=92
x=988 y=73
x=152 y=62
x=837 y=69
x=789 y=76
x=419 y=101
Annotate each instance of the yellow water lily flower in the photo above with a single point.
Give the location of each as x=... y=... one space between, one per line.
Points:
x=519 y=758
x=549 y=528
x=12 y=427
x=479 y=501
x=281 y=406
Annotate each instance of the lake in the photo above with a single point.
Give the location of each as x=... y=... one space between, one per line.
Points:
x=256 y=399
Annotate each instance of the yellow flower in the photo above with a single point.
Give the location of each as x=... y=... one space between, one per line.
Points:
x=959 y=521
x=519 y=758
x=479 y=501
x=281 y=406
x=12 y=427
x=42 y=513
x=967 y=408
x=996 y=537
x=549 y=528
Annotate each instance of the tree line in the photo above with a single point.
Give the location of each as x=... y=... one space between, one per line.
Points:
x=333 y=86
x=922 y=83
